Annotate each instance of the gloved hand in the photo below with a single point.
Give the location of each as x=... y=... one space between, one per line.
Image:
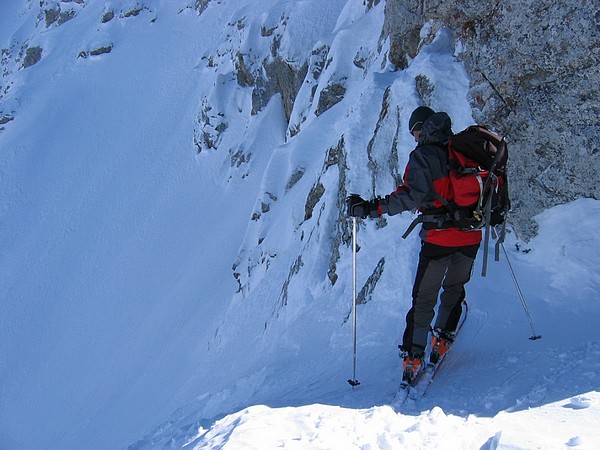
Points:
x=358 y=207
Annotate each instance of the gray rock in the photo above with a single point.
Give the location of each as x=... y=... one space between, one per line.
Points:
x=32 y=56
x=330 y=96
x=201 y=5
x=281 y=78
x=535 y=72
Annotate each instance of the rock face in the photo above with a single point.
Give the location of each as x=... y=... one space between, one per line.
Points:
x=535 y=77
x=533 y=64
x=534 y=69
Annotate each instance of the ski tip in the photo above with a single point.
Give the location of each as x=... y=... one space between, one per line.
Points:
x=354 y=383
x=535 y=337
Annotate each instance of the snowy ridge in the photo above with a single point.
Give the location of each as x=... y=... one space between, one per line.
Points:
x=321 y=426
x=174 y=254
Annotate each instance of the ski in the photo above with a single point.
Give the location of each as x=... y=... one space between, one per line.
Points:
x=437 y=366
x=425 y=377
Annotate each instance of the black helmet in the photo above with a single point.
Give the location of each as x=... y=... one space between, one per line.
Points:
x=418 y=116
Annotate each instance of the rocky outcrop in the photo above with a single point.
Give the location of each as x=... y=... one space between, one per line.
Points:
x=535 y=72
x=201 y=5
x=32 y=56
x=281 y=78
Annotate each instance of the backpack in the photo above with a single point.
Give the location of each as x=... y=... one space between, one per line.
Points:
x=477 y=161
x=478 y=197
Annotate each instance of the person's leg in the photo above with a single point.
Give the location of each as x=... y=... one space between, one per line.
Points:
x=458 y=274
x=433 y=262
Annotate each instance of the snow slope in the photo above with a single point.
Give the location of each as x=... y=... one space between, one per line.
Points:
x=497 y=389
x=123 y=323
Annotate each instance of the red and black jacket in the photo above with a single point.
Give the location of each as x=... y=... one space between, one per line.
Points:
x=425 y=175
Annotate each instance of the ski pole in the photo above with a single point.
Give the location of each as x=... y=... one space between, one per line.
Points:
x=353 y=381
x=534 y=336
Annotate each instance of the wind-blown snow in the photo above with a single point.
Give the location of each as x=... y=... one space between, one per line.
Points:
x=556 y=425
x=122 y=323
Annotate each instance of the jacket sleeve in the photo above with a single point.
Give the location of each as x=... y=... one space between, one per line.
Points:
x=418 y=183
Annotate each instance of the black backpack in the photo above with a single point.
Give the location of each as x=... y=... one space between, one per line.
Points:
x=479 y=199
x=483 y=154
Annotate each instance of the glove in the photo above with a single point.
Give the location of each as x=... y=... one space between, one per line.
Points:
x=358 y=207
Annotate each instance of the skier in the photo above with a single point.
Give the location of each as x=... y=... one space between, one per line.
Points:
x=447 y=254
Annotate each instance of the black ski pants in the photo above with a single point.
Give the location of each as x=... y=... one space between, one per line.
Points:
x=448 y=268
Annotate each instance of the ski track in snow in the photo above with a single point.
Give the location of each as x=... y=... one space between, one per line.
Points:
x=122 y=324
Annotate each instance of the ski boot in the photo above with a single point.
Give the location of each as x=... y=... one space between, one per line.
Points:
x=411 y=366
x=440 y=344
